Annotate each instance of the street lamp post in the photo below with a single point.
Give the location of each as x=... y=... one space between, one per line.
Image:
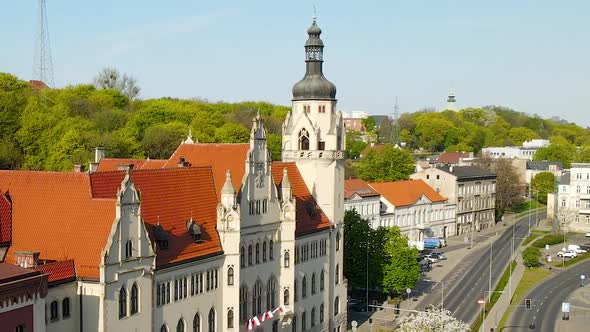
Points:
x=442 y=291
x=483 y=321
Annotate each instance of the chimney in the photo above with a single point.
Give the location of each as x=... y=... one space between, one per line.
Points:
x=124 y=167
x=78 y=168
x=181 y=162
x=99 y=153
x=26 y=259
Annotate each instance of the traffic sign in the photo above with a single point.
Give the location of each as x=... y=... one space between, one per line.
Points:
x=582 y=276
x=481 y=301
x=408 y=290
x=565 y=307
x=546 y=247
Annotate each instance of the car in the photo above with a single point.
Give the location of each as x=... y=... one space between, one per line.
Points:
x=439 y=255
x=587 y=234
x=432 y=258
x=567 y=254
x=357 y=305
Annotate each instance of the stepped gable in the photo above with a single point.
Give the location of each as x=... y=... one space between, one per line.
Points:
x=305 y=203
x=221 y=157
x=406 y=192
x=171 y=197
x=53 y=213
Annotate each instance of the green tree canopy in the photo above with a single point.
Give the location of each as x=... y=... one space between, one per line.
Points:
x=354 y=145
x=385 y=164
x=522 y=134
x=542 y=184
x=403 y=270
x=562 y=151
x=369 y=123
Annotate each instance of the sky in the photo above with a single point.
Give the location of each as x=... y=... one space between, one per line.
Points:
x=529 y=55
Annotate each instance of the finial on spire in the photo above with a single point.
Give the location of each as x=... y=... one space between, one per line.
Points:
x=189 y=138
x=315 y=13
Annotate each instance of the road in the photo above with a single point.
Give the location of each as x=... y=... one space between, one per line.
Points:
x=469 y=286
x=546 y=300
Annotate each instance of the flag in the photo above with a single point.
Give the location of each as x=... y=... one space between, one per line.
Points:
x=267 y=315
x=252 y=323
x=281 y=309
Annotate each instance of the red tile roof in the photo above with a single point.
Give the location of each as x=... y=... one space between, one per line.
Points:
x=451 y=157
x=305 y=222
x=5 y=219
x=359 y=187
x=38 y=85
x=112 y=164
x=10 y=272
x=58 y=271
x=407 y=192
x=54 y=213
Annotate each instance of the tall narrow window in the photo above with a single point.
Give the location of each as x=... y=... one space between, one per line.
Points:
x=337 y=241
x=264 y=251
x=163 y=328
x=257 y=298
x=257 y=253
x=211 y=320
x=134 y=299
x=271 y=254
x=65 y=308
x=337 y=274
x=197 y=323
x=295 y=296
x=321 y=313
x=242 y=257
x=303 y=140
x=180 y=326
x=230 y=276
x=128 y=249
x=230 y=319
x=286 y=263
x=243 y=303
x=250 y=255
x=313 y=317
x=53 y=310
x=336 y=305
x=122 y=302
x=294 y=324
x=313 y=284
x=286 y=297
x=304 y=320
x=322 y=280
x=304 y=287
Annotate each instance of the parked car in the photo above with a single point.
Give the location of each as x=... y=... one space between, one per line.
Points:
x=578 y=249
x=587 y=234
x=432 y=258
x=357 y=305
x=439 y=255
x=567 y=254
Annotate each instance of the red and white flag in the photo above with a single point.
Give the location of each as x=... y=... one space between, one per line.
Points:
x=267 y=315
x=281 y=309
x=252 y=323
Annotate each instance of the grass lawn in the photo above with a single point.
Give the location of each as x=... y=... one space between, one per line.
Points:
x=526 y=205
x=531 y=277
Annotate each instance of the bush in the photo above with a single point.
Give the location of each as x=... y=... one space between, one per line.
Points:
x=530 y=256
x=549 y=239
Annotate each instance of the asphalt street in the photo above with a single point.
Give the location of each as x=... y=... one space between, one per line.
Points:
x=461 y=299
x=547 y=298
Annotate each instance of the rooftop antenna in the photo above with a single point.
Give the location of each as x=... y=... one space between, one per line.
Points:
x=42 y=62
x=395 y=129
x=315 y=12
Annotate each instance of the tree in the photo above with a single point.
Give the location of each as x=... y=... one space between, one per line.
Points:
x=369 y=123
x=509 y=189
x=402 y=270
x=273 y=142
x=562 y=151
x=386 y=164
x=435 y=320
x=530 y=256
x=160 y=141
x=110 y=78
x=354 y=145
x=542 y=184
x=522 y=134
x=432 y=130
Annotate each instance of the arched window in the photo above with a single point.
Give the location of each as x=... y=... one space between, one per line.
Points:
x=321 y=313
x=180 y=325
x=295 y=297
x=197 y=323
x=257 y=298
x=264 y=251
x=337 y=241
x=242 y=257
x=230 y=276
x=128 y=249
x=271 y=294
x=257 y=253
x=303 y=320
x=65 y=308
x=212 y=320
x=336 y=305
x=303 y=140
x=337 y=272
x=313 y=317
x=322 y=280
x=250 y=255
x=230 y=319
x=286 y=262
x=294 y=324
x=313 y=284
x=304 y=287
x=243 y=303
x=122 y=302
x=271 y=254
x=134 y=300
x=164 y=328
x=286 y=297
x=53 y=310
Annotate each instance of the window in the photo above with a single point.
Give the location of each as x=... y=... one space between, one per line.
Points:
x=180 y=326
x=286 y=262
x=211 y=320
x=294 y=324
x=243 y=303
x=337 y=241
x=264 y=251
x=578 y=203
x=313 y=284
x=20 y=328
x=578 y=189
x=242 y=257
x=271 y=294
x=230 y=319
x=303 y=320
x=53 y=311
x=250 y=255
x=336 y=305
x=322 y=280
x=427 y=177
x=295 y=296
x=303 y=140
x=313 y=317
x=164 y=328
x=304 y=287
x=122 y=302
x=257 y=298
x=257 y=253
x=197 y=323
x=275 y=326
x=286 y=296
x=230 y=276
x=134 y=302
x=337 y=278
x=577 y=219
x=264 y=205
x=588 y=219
x=271 y=254
x=65 y=308
x=321 y=145
x=563 y=203
x=321 y=313
x=128 y=249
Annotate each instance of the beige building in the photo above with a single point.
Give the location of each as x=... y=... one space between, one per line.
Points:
x=571 y=204
x=471 y=188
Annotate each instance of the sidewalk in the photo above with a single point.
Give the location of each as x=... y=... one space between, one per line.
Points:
x=579 y=311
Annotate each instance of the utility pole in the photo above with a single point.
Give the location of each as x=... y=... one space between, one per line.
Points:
x=42 y=61
x=396 y=121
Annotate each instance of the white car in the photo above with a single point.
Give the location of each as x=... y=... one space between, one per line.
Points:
x=431 y=258
x=587 y=234
x=567 y=254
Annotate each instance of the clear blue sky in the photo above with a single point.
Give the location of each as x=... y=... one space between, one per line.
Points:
x=533 y=56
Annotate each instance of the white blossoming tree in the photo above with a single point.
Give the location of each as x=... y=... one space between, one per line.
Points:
x=435 y=320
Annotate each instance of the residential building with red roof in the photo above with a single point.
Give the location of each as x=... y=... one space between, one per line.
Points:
x=205 y=240
x=416 y=208
x=361 y=197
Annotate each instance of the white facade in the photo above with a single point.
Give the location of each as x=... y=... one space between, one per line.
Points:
x=572 y=202
x=526 y=151
x=367 y=207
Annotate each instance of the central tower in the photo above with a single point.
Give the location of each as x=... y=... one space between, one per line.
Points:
x=313 y=132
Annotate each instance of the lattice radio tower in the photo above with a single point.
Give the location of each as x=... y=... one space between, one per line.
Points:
x=42 y=62
x=395 y=128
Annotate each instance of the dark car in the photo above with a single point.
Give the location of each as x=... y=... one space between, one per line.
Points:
x=438 y=255
x=357 y=305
